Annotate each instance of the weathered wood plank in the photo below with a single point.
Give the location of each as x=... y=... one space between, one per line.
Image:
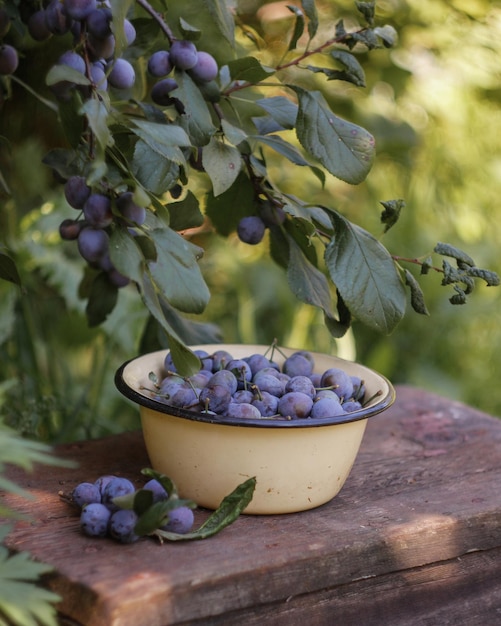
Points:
x=464 y=591
x=424 y=492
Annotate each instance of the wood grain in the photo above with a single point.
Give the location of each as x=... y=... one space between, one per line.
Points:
x=415 y=530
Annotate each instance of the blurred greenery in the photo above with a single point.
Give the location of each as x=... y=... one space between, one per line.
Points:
x=433 y=104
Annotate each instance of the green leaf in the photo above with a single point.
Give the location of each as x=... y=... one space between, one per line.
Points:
x=365 y=37
x=188 y=31
x=281 y=109
x=426 y=265
x=333 y=74
x=354 y=70
x=165 y=139
x=310 y=9
x=279 y=246
x=446 y=249
x=457 y=275
x=391 y=213
x=125 y=254
x=186 y=362
x=191 y=331
x=72 y=119
x=157 y=515
x=185 y=213
x=8 y=270
x=8 y=313
x=120 y=10
x=344 y=149
x=65 y=162
x=176 y=271
x=490 y=277
x=61 y=73
x=387 y=34
x=196 y=118
x=249 y=70
x=153 y=170
x=417 y=296
x=298 y=26
x=301 y=230
x=212 y=17
x=222 y=163
x=233 y=134
x=365 y=276
x=22 y=601
x=222 y=18
x=290 y=152
x=227 y=512
x=97 y=116
x=166 y=482
x=459 y=297
x=307 y=282
x=227 y=209
x=102 y=299
x=367 y=9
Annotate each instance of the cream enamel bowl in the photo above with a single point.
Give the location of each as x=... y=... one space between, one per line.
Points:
x=298 y=464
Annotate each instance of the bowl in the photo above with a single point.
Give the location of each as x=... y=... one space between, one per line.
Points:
x=298 y=464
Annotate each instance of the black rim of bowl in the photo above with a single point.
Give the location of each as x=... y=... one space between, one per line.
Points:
x=161 y=407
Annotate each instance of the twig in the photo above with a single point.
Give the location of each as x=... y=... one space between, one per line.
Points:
x=158 y=18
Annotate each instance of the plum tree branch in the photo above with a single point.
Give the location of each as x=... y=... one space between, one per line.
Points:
x=158 y=18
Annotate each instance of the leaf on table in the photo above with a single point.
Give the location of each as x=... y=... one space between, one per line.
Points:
x=227 y=512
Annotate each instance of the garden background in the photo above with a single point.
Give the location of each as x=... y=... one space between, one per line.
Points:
x=433 y=104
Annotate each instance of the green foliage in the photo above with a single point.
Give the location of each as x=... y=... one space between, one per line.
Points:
x=23 y=453
x=22 y=601
x=219 y=142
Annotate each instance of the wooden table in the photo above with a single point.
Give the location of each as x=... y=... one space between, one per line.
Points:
x=413 y=538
